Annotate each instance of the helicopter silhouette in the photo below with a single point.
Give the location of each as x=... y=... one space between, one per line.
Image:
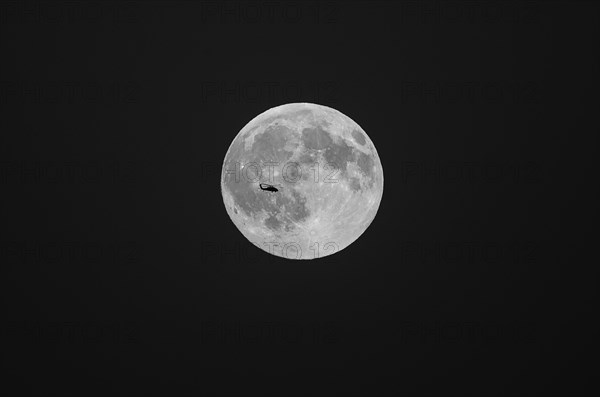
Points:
x=267 y=187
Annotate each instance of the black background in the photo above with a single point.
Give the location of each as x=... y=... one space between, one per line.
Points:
x=123 y=275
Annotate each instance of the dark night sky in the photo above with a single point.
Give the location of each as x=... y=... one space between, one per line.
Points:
x=122 y=273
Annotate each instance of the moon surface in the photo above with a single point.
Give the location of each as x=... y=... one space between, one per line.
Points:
x=324 y=175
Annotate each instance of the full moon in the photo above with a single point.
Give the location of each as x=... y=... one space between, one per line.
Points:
x=302 y=181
